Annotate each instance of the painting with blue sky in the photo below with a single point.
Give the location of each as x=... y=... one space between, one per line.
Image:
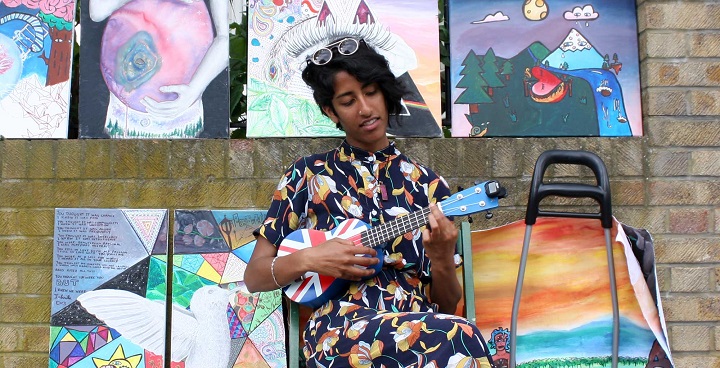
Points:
x=544 y=68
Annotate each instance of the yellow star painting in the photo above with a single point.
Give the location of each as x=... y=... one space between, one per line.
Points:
x=118 y=360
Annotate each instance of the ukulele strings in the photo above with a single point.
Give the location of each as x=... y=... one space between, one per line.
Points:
x=406 y=222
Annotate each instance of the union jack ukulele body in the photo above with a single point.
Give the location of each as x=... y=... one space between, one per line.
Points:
x=315 y=289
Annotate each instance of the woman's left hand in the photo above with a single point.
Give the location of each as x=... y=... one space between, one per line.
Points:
x=439 y=237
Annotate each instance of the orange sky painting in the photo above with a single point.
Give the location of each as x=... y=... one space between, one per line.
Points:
x=566 y=282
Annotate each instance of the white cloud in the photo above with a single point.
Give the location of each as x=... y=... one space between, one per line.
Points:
x=585 y=13
x=497 y=17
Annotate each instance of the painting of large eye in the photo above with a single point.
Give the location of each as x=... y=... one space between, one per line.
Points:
x=148 y=44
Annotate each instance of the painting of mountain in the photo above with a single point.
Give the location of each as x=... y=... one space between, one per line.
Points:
x=546 y=68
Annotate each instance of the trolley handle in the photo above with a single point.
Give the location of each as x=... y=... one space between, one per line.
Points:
x=599 y=192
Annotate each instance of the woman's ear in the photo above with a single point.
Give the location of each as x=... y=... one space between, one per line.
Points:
x=330 y=112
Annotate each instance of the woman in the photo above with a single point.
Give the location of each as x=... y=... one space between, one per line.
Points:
x=384 y=319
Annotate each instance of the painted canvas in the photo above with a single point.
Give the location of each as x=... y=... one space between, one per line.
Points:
x=544 y=68
x=565 y=312
x=109 y=288
x=36 y=43
x=282 y=34
x=154 y=69
x=239 y=328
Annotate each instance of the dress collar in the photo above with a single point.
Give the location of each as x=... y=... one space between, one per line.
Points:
x=360 y=154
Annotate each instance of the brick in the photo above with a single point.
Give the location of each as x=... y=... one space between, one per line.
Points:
x=9 y=281
x=23 y=360
x=41 y=159
x=211 y=158
x=682 y=15
x=665 y=102
x=705 y=163
x=420 y=149
x=717 y=284
x=652 y=219
x=452 y=168
x=14 y=193
x=692 y=308
x=156 y=163
x=689 y=221
x=269 y=159
x=70 y=161
x=665 y=162
x=65 y=193
x=684 y=132
x=233 y=193
x=153 y=194
x=704 y=44
x=686 y=249
x=504 y=158
x=627 y=157
x=688 y=73
x=97 y=159
x=14 y=159
x=9 y=339
x=695 y=360
x=31 y=222
x=691 y=279
x=663 y=277
x=35 y=280
x=663 y=73
x=27 y=250
x=127 y=156
x=705 y=103
x=7 y=222
x=627 y=192
x=717 y=221
x=182 y=159
x=240 y=158
x=35 y=338
x=683 y=192
x=105 y=193
x=25 y=308
x=663 y=44
x=264 y=192
x=702 y=337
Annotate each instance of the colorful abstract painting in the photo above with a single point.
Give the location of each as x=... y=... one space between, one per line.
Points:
x=281 y=35
x=239 y=328
x=154 y=69
x=36 y=43
x=544 y=68
x=109 y=288
x=565 y=313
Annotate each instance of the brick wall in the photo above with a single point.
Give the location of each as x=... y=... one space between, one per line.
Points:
x=666 y=182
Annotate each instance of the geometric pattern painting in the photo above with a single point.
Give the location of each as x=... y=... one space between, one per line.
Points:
x=565 y=314
x=282 y=34
x=111 y=293
x=216 y=322
x=36 y=42
x=544 y=68
x=108 y=288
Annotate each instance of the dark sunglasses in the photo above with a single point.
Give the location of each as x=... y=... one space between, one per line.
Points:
x=346 y=46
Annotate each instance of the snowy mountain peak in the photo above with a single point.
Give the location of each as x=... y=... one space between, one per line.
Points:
x=575 y=42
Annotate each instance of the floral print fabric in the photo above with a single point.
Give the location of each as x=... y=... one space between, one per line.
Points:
x=387 y=320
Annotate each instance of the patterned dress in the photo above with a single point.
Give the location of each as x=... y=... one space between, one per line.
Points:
x=387 y=320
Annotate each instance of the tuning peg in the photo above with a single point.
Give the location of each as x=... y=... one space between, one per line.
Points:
x=488 y=215
x=460 y=188
x=469 y=219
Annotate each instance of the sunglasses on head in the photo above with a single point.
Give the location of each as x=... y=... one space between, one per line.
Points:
x=346 y=46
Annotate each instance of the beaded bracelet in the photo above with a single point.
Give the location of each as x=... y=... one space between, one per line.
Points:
x=272 y=272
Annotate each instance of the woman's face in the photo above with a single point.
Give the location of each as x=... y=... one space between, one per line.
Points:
x=361 y=111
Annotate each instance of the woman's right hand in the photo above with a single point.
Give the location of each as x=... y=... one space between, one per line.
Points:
x=340 y=258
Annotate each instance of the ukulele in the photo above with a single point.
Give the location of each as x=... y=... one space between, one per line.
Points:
x=314 y=289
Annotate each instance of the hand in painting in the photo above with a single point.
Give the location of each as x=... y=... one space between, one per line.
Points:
x=186 y=96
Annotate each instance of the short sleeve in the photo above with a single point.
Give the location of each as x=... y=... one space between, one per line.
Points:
x=287 y=208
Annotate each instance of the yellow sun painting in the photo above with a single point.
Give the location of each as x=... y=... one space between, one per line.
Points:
x=118 y=360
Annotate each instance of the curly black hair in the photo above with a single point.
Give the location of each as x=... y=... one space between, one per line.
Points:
x=366 y=65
